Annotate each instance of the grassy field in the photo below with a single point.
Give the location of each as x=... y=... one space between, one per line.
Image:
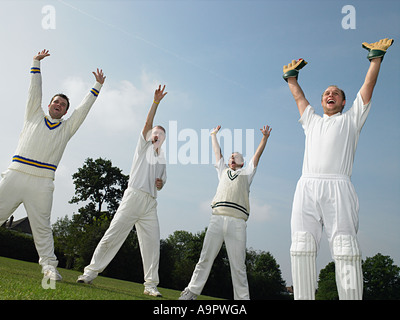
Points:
x=20 y=280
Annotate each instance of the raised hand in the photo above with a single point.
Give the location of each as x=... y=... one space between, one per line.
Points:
x=292 y=69
x=377 y=49
x=266 y=131
x=41 y=55
x=215 y=130
x=100 y=78
x=159 y=94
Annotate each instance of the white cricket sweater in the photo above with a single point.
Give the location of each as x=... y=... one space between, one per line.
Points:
x=43 y=140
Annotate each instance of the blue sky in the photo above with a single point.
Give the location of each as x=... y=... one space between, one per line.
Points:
x=222 y=64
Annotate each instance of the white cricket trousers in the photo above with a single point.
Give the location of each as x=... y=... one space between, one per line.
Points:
x=36 y=193
x=328 y=202
x=233 y=232
x=140 y=209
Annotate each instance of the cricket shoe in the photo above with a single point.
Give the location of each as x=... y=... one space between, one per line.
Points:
x=51 y=273
x=152 y=291
x=84 y=278
x=187 y=295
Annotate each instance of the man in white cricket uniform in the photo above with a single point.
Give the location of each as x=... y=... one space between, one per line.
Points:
x=325 y=196
x=231 y=209
x=138 y=207
x=29 y=178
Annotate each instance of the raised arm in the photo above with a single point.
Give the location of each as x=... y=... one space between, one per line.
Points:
x=266 y=131
x=158 y=96
x=215 y=144
x=34 y=101
x=298 y=95
x=290 y=74
x=81 y=111
x=376 y=53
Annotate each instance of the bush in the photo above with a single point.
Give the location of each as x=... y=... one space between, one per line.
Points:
x=17 y=245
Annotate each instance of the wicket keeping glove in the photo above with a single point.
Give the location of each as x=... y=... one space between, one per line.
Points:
x=292 y=69
x=377 y=49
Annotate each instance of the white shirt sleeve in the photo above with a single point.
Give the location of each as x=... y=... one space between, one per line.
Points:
x=220 y=166
x=307 y=117
x=250 y=171
x=359 y=111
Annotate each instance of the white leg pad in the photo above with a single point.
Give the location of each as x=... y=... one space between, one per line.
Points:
x=349 y=277
x=303 y=253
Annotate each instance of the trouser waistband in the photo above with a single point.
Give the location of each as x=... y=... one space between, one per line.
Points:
x=327 y=176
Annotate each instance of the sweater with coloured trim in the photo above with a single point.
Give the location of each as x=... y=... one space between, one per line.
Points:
x=232 y=196
x=43 y=140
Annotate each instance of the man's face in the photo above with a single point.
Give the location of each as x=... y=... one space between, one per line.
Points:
x=235 y=161
x=58 y=107
x=332 y=101
x=157 y=137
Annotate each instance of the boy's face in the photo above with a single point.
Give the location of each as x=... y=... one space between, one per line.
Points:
x=157 y=137
x=235 y=161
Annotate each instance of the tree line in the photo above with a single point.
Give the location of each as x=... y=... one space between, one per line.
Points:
x=100 y=186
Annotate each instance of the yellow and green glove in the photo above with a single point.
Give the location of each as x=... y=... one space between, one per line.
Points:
x=377 y=49
x=292 y=69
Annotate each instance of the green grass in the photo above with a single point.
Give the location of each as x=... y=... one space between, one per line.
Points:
x=20 y=280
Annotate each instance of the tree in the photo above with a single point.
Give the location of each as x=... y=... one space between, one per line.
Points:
x=102 y=186
x=181 y=251
x=327 y=289
x=264 y=276
x=381 y=278
x=99 y=183
x=184 y=250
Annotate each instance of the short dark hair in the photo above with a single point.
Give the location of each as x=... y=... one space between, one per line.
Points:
x=341 y=91
x=62 y=95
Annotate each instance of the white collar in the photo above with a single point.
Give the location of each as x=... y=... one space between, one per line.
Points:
x=332 y=116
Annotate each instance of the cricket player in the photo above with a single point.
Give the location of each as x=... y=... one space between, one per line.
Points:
x=138 y=206
x=325 y=196
x=230 y=211
x=29 y=177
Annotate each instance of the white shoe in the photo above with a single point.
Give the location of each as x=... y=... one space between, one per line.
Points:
x=152 y=291
x=187 y=295
x=84 y=278
x=51 y=273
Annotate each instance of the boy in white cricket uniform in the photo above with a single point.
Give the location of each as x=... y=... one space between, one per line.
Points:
x=231 y=210
x=138 y=206
x=325 y=196
x=29 y=178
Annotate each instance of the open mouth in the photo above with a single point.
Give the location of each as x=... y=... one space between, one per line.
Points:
x=331 y=101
